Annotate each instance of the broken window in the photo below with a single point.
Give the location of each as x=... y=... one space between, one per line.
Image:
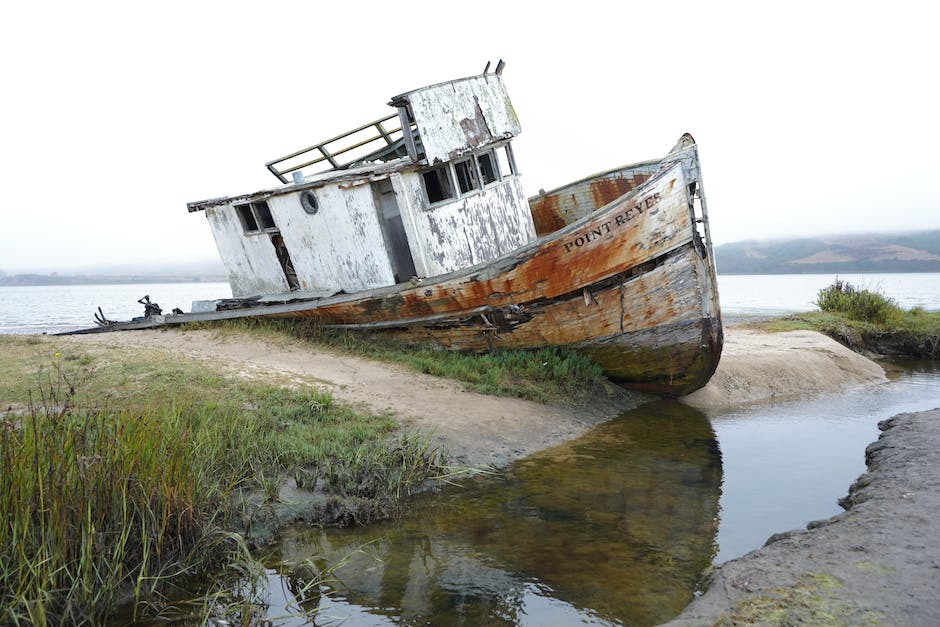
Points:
x=466 y=175
x=247 y=218
x=255 y=217
x=505 y=161
x=437 y=184
x=488 y=171
x=265 y=219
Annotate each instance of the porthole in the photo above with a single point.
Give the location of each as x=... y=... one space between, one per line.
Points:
x=309 y=201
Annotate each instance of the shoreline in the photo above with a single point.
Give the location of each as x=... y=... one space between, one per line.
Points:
x=480 y=430
x=876 y=562
x=760 y=367
x=477 y=430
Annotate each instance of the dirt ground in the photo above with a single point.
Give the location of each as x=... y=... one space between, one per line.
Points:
x=475 y=429
x=758 y=367
x=877 y=563
x=481 y=430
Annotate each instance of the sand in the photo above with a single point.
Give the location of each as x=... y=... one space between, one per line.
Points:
x=489 y=431
x=761 y=367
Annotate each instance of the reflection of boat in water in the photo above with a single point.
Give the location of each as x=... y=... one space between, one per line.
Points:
x=422 y=233
x=618 y=525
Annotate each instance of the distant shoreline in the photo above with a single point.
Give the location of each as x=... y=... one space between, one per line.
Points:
x=833 y=272
x=39 y=280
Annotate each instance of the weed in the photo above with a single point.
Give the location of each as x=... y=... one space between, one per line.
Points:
x=869 y=321
x=539 y=375
x=123 y=478
x=858 y=304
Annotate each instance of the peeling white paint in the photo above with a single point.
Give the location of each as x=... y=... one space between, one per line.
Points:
x=344 y=245
x=477 y=227
x=340 y=247
x=250 y=260
x=459 y=116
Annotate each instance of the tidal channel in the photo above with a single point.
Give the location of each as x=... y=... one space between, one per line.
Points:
x=616 y=527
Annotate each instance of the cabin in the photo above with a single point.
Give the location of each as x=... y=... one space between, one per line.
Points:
x=430 y=189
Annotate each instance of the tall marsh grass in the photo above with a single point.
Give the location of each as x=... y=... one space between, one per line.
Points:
x=98 y=507
x=105 y=499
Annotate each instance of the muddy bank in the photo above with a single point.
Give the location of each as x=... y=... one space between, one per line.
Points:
x=756 y=367
x=876 y=563
x=481 y=430
x=476 y=430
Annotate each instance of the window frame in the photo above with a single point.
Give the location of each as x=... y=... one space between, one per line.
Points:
x=474 y=172
x=256 y=210
x=494 y=167
x=448 y=176
x=469 y=165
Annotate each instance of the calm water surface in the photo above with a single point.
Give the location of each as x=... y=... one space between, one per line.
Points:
x=38 y=309
x=777 y=294
x=614 y=528
x=55 y=308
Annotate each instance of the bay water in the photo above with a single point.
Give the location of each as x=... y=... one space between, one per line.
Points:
x=56 y=308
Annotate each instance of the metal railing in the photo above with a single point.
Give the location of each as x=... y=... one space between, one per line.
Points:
x=386 y=142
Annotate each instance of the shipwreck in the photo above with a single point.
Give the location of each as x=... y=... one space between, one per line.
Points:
x=416 y=227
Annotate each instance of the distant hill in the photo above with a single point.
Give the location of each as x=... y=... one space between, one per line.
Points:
x=876 y=252
x=184 y=272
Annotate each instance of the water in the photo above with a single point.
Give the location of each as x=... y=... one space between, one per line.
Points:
x=616 y=527
x=56 y=308
x=39 y=309
x=761 y=295
x=787 y=464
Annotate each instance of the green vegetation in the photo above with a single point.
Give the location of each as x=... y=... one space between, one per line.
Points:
x=858 y=304
x=543 y=375
x=864 y=319
x=123 y=472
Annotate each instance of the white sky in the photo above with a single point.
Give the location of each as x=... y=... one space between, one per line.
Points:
x=811 y=117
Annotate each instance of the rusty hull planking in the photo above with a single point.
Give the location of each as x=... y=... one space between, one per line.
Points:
x=562 y=206
x=648 y=331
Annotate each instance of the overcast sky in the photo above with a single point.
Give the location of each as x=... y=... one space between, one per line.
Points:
x=811 y=118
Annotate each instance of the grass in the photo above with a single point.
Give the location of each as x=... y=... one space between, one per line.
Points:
x=865 y=319
x=121 y=471
x=549 y=374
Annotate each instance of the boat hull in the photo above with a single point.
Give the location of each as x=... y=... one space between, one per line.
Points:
x=630 y=284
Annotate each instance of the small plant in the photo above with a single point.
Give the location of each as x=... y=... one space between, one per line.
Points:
x=858 y=304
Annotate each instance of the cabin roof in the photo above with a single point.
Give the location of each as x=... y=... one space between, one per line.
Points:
x=447 y=120
x=366 y=170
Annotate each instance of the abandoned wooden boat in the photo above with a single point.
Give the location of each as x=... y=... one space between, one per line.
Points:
x=422 y=233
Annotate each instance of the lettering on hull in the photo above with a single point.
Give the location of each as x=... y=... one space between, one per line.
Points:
x=619 y=220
